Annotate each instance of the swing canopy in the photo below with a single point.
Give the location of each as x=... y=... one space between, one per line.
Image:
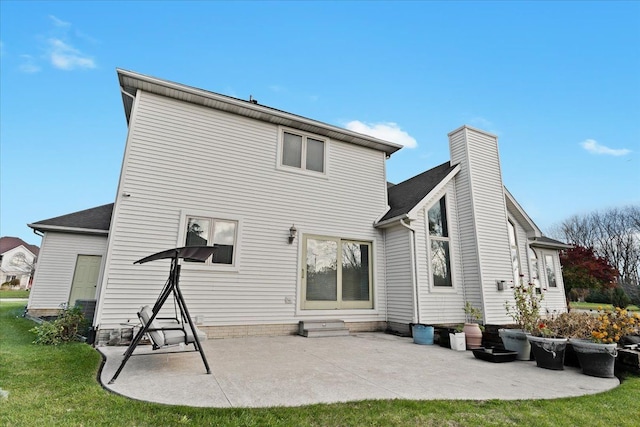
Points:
x=196 y=253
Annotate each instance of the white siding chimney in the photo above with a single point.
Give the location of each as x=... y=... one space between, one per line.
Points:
x=482 y=216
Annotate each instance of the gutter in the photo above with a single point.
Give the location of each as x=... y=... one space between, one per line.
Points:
x=39 y=228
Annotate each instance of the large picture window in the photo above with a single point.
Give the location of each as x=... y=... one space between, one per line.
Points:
x=220 y=233
x=439 y=237
x=337 y=273
x=302 y=152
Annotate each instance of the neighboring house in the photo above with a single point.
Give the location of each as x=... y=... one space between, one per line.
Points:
x=17 y=261
x=306 y=225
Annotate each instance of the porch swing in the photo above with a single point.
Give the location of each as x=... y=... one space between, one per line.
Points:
x=166 y=332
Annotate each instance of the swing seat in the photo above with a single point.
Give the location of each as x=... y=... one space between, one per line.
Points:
x=166 y=332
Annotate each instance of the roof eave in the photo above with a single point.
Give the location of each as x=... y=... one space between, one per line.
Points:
x=72 y=230
x=549 y=245
x=131 y=81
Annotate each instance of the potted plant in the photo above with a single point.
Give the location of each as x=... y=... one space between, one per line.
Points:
x=525 y=312
x=547 y=345
x=472 y=329
x=457 y=339
x=597 y=354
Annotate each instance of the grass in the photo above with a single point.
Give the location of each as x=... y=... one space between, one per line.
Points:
x=14 y=294
x=56 y=386
x=595 y=305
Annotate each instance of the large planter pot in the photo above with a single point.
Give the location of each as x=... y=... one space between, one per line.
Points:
x=548 y=352
x=473 y=335
x=422 y=334
x=597 y=360
x=458 y=341
x=516 y=340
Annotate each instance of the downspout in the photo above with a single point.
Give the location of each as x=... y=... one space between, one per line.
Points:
x=414 y=272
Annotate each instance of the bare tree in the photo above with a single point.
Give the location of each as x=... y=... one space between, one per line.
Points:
x=614 y=234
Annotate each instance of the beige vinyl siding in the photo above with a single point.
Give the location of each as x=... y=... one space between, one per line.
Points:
x=186 y=159
x=56 y=264
x=440 y=305
x=400 y=293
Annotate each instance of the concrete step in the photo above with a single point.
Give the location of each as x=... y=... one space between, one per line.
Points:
x=317 y=333
x=322 y=328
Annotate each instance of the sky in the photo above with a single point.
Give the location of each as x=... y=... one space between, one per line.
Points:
x=557 y=82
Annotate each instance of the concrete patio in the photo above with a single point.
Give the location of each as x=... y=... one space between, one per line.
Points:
x=293 y=371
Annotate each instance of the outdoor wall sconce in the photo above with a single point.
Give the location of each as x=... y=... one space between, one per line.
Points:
x=293 y=232
x=500 y=284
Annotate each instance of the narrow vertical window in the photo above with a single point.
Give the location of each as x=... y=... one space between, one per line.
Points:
x=551 y=271
x=439 y=236
x=533 y=262
x=515 y=256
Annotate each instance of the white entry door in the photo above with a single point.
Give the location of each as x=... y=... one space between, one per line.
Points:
x=85 y=278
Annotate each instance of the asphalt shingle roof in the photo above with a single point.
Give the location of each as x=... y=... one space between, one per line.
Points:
x=98 y=218
x=406 y=195
x=8 y=243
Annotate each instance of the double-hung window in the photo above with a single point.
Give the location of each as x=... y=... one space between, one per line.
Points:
x=220 y=233
x=301 y=151
x=440 y=242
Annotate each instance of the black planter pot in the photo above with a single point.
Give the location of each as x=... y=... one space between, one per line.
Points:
x=548 y=352
x=596 y=360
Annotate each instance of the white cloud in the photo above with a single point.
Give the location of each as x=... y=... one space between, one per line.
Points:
x=387 y=131
x=59 y=22
x=66 y=57
x=29 y=64
x=592 y=146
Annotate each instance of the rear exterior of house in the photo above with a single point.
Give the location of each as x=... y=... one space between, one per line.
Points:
x=304 y=224
x=203 y=168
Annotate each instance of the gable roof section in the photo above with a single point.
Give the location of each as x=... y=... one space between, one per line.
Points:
x=514 y=208
x=130 y=82
x=8 y=243
x=89 y=221
x=407 y=195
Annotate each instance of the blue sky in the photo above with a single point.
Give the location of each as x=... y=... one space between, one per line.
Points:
x=559 y=83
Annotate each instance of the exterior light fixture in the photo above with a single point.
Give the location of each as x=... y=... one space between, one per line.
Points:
x=293 y=232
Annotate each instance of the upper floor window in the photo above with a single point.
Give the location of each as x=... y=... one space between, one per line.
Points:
x=439 y=236
x=535 y=272
x=303 y=152
x=220 y=233
x=515 y=256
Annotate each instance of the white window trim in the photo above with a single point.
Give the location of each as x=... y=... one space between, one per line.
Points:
x=235 y=267
x=302 y=170
x=542 y=285
x=554 y=267
x=432 y=287
x=301 y=310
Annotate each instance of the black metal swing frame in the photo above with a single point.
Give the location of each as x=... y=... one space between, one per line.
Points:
x=195 y=253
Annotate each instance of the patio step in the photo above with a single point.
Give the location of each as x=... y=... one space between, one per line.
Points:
x=322 y=328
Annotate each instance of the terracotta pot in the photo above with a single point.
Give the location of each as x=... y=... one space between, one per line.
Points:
x=473 y=335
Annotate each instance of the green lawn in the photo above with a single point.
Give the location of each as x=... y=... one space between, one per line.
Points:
x=595 y=305
x=56 y=386
x=14 y=294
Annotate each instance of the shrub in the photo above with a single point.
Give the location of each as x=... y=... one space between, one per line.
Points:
x=568 y=325
x=62 y=330
x=526 y=310
x=614 y=324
